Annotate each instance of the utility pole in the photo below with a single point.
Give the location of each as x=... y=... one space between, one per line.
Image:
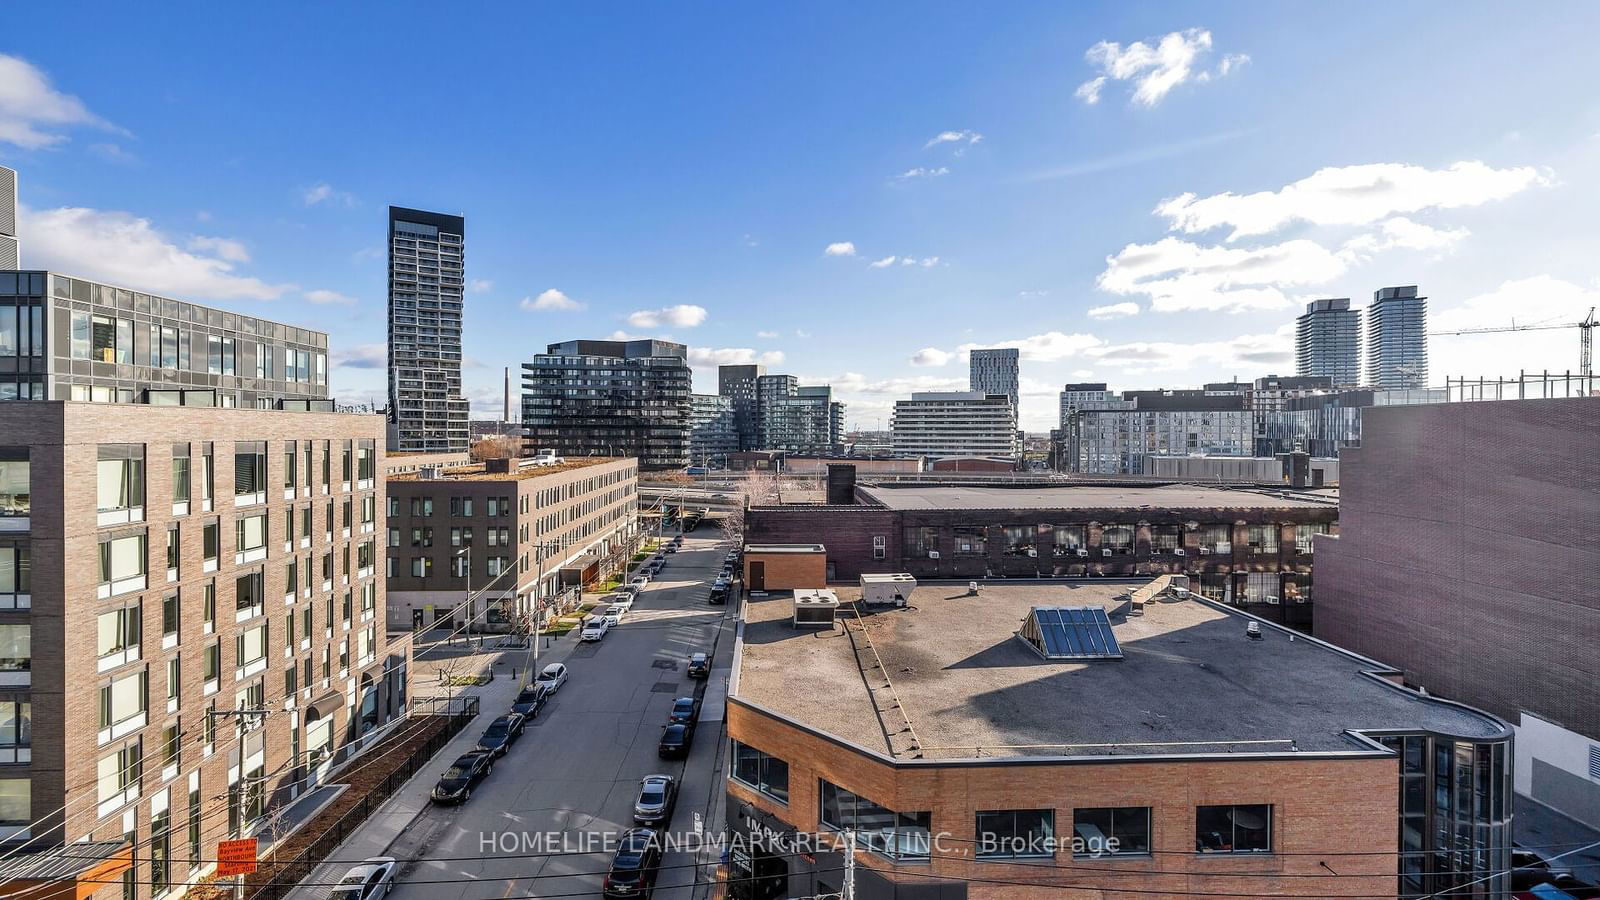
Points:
x=239 y=789
x=848 y=891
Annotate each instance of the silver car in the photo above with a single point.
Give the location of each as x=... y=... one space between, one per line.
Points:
x=368 y=881
x=658 y=794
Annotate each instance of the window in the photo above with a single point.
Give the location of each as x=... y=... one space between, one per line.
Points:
x=118 y=632
x=172 y=546
x=248 y=594
x=81 y=335
x=210 y=541
x=305 y=522
x=169 y=615
x=15 y=478
x=1264 y=538
x=123 y=699
x=16 y=575
x=1166 y=538
x=174 y=679
x=1018 y=539
x=208 y=603
x=394 y=536
x=121 y=772
x=1117 y=538
x=920 y=540
x=364 y=555
x=1111 y=831
x=422 y=506
x=897 y=835
x=1233 y=829
x=1016 y=833
x=122 y=558
x=249 y=468
x=971 y=540
x=161 y=851
x=365 y=461
x=250 y=646
x=767 y=774
x=345 y=467
x=288 y=466
x=194 y=820
x=421 y=567
x=250 y=533
x=1216 y=538
x=1304 y=536
x=498 y=564
x=207 y=469
x=212 y=665
x=369 y=509
x=180 y=473
x=327 y=468
x=16 y=730
x=1068 y=539
x=16 y=806
x=119 y=474
x=16 y=650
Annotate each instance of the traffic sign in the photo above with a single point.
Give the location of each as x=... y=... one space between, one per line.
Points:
x=236 y=857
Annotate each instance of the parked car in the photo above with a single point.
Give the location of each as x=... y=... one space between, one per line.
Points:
x=613 y=615
x=633 y=869
x=629 y=589
x=699 y=665
x=530 y=700
x=675 y=741
x=552 y=677
x=372 y=879
x=658 y=794
x=594 y=629
x=685 y=710
x=721 y=582
x=501 y=734
x=457 y=782
x=623 y=599
x=718 y=596
x=639 y=581
x=672 y=548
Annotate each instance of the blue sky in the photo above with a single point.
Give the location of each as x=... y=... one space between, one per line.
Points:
x=684 y=170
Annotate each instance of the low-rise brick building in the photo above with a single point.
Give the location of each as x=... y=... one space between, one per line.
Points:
x=1003 y=745
x=526 y=532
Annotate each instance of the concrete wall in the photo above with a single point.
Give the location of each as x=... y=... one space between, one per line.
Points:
x=1468 y=557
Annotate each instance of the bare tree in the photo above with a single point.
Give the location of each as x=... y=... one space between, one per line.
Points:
x=496 y=446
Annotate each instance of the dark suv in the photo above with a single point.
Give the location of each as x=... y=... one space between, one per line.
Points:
x=530 y=701
x=633 y=870
x=684 y=711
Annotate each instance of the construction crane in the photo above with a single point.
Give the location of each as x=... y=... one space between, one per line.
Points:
x=1585 y=337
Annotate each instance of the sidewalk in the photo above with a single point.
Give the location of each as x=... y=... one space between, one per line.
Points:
x=376 y=835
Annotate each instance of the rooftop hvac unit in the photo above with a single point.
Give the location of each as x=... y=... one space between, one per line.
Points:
x=1181 y=593
x=1032 y=552
x=1105 y=552
x=1204 y=552
x=1082 y=552
x=933 y=554
x=1273 y=600
x=1178 y=551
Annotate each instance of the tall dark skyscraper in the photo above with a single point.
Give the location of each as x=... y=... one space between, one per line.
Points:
x=738 y=384
x=1328 y=341
x=427 y=280
x=1397 y=339
x=995 y=372
x=9 y=255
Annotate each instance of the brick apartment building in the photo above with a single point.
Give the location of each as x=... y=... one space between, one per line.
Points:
x=1237 y=545
x=170 y=565
x=1469 y=564
x=991 y=745
x=530 y=533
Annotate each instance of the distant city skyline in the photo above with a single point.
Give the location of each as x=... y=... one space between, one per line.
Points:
x=1131 y=224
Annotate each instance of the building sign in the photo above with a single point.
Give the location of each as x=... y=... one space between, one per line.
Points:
x=236 y=857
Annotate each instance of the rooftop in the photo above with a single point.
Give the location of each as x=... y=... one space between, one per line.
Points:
x=478 y=473
x=784 y=548
x=1189 y=682
x=1046 y=496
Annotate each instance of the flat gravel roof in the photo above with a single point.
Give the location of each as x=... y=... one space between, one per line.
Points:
x=1190 y=681
x=1164 y=496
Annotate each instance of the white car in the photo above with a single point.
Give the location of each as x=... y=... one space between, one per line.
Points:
x=594 y=630
x=624 y=600
x=613 y=615
x=368 y=881
x=553 y=677
x=639 y=581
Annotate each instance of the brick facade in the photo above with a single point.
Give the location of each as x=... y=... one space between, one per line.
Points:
x=785 y=570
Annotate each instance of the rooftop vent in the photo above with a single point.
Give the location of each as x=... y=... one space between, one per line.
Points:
x=428 y=473
x=1253 y=631
x=1070 y=632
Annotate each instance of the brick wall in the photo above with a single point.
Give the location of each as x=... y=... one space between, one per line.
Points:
x=1320 y=806
x=788 y=571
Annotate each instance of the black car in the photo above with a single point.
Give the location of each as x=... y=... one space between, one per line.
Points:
x=718 y=595
x=501 y=734
x=530 y=701
x=685 y=710
x=457 y=782
x=699 y=666
x=675 y=741
x=633 y=869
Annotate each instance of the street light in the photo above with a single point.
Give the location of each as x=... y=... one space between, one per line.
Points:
x=471 y=606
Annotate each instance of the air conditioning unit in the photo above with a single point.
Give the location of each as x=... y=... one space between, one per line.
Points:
x=933 y=554
x=1302 y=550
x=1033 y=552
x=1273 y=600
x=1082 y=552
x=1105 y=552
x=1204 y=552
x=1178 y=552
x=1300 y=599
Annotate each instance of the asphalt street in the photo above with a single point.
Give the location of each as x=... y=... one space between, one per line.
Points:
x=536 y=826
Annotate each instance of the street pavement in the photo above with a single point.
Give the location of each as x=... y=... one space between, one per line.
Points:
x=538 y=825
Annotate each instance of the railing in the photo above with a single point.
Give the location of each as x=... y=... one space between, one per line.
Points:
x=284 y=878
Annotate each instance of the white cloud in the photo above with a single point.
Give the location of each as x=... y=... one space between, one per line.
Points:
x=33 y=113
x=551 y=300
x=1179 y=275
x=965 y=136
x=840 y=248
x=227 y=248
x=324 y=192
x=1033 y=293
x=1258 y=352
x=1047 y=347
x=801 y=333
x=480 y=285
x=684 y=315
x=1153 y=70
x=733 y=356
x=921 y=172
x=929 y=262
x=1400 y=232
x=326 y=297
x=361 y=356
x=114 y=153
x=122 y=248
x=766 y=334
x=1114 y=311
x=884 y=263
x=1349 y=195
x=1230 y=62
x=931 y=356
